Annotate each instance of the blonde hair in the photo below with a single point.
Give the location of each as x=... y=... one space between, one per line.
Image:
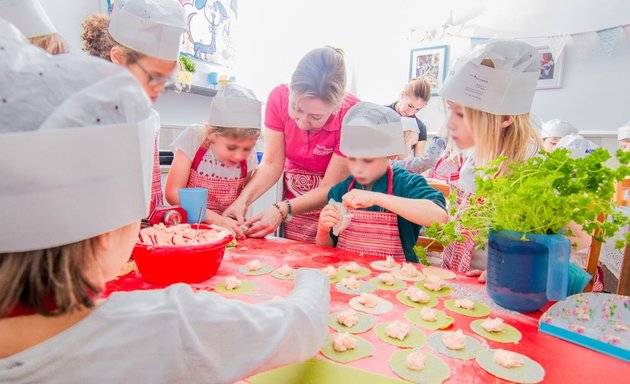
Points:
x=98 y=42
x=517 y=142
x=52 y=43
x=231 y=133
x=418 y=88
x=320 y=74
x=32 y=279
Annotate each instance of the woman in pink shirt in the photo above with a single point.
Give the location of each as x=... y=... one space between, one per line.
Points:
x=303 y=123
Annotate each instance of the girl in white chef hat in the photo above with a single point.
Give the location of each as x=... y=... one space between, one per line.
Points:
x=218 y=156
x=623 y=135
x=489 y=92
x=31 y=19
x=554 y=130
x=74 y=137
x=145 y=37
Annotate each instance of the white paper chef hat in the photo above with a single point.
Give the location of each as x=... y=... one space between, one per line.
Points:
x=370 y=130
x=76 y=136
x=577 y=145
x=506 y=89
x=235 y=107
x=152 y=27
x=557 y=128
x=623 y=132
x=409 y=124
x=28 y=15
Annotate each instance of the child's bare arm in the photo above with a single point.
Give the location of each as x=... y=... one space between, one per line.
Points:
x=420 y=211
x=328 y=218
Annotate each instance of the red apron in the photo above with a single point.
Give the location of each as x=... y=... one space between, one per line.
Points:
x=303 y=227
x=371 y=232
x=221 y=191
x=156 y=180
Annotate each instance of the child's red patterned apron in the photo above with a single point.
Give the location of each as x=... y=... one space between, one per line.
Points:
x=373 y=233
x=221 y=191
x=156 y=180
x=303 y=227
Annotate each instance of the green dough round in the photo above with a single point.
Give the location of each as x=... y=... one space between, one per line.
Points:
x=360 y=273
x=246 y=286
x=398 y=285
x=529 y=372
x=443 y=274
x=469 y=351
x=364 y=349
x=415 y=337
x=264 y=269
x=508 y=335
x=434 y=372
x=337 y=278
x=364 y=287
x=445 y=291
x=479 y=310
x=280 y=276
x=443 y=321
x=382 y=307
x=366 y=322
x=379 y=265
x=397 y=274
x=405 y=300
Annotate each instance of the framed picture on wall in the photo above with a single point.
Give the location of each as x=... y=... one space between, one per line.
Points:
x=551 y=68
x=429 y=63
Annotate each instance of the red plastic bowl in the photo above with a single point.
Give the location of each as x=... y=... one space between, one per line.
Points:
x=170 y=264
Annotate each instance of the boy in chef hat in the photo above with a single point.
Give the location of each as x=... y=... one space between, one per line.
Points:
x=489 y=92
x=145 y=37
x=388 y=205
x=75 y=186
x=219 y=156
x=623 y=135
x=554 y=130
x=30 y=17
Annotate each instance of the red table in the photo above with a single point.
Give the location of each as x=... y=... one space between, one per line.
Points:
x=564 y=362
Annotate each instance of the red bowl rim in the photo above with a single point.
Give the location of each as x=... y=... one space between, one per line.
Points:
x=184 y=248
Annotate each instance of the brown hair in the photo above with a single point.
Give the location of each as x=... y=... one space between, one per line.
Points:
x=98 y=42
x=31 y=279
x=52 y=43
x=232 y=133
x=418 y=88
x=320 y=74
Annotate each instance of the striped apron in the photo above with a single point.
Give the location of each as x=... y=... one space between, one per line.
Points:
x=221 y=191
x=302 y=227
x=156 y=177
x=373 y=233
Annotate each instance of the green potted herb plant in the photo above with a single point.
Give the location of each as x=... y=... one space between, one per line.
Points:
x=186 y=68
x=523 y=215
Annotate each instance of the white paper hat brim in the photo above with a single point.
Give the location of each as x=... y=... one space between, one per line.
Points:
x=28 y=15
x=623 y=133
x=372 y=141
x=490 y=90
x=150 y=38
x=233 y=112
x=71 y=184
x=409 y=124
x=557 y=130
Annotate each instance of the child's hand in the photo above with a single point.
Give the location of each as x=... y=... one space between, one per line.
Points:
x=232 y=225
x=329 y=217
x=358 y=198
x=236 y=211
x=477 y=272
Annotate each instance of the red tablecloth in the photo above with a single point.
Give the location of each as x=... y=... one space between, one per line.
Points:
x=564 y=362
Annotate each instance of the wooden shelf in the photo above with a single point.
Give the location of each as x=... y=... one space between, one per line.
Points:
x=197 y=90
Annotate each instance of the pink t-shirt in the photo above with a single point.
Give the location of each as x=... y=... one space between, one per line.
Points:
x=309 y=151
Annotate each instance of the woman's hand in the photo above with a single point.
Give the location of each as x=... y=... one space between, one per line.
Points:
x=358 y=198
x=236 y=211
x=232 y=225
x=264 y=223
x=477 y=272
x=329 y=217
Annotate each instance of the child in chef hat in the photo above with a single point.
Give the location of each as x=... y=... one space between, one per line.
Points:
x=489 y=92
x=145 y=37
x=219 y=156
x=75 y=185
x=388 y=205
x=623 y=135
x=554 y=130
x=31 y=19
